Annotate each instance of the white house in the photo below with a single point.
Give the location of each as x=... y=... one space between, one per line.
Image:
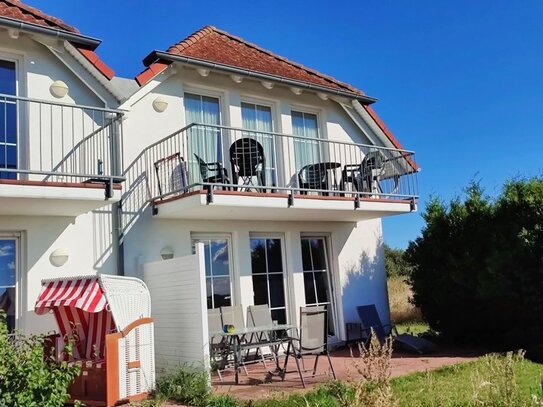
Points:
x=282 y=173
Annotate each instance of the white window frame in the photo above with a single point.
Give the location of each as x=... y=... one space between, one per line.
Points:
x=228 y=238
x=286 y=288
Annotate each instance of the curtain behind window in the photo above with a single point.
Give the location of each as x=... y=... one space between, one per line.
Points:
x=305 y=151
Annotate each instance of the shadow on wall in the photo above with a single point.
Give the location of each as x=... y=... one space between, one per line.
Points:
x=365 y=283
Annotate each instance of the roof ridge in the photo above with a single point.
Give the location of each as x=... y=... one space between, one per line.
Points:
x=286 y=60
x=192 y=38
x=37 y=13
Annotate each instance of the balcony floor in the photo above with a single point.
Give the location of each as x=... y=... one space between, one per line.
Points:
x=44 y=198
x=236 y=205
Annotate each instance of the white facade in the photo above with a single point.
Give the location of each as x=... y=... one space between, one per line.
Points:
x=43 y=219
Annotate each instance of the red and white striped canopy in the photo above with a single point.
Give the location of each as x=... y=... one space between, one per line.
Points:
x=83 y=293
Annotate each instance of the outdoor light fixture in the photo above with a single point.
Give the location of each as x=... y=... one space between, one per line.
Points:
x=58 y=89
x=160 y=104
x=59 y=257
x=167 y=253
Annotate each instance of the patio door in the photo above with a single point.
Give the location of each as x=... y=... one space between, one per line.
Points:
x=217 y=253
x=9 y=265
x=269 y=275
x=8 y=120
x=202 y=142
x=259 y=118
x=306 y=149
x=317 y=279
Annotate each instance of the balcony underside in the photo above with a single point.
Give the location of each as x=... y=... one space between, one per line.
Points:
x=230 y=205
x=38 y=198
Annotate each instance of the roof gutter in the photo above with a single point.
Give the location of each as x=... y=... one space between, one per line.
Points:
x=156 y=55
x=87 y=42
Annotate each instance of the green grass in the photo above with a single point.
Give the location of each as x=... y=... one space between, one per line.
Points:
x=414 y=328
x=453 y=385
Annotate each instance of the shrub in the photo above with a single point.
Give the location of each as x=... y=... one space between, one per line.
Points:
x=478 y=266
x=396 y=262
x=186 y=385
x=28 y=376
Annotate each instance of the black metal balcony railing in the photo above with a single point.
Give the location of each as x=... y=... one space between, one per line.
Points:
x=57 y=142
x=230 y=159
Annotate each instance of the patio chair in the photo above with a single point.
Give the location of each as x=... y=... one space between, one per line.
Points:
x=248 y=162
x=213 y=173
x=260 y=315
x=171 y=173
x=313 y=339
x=217 y=347
x=312 y=177
x=370 y=320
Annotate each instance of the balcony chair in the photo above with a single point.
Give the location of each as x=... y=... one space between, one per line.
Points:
x=248 y=162
x=212 y=173
x=217 y=347
x=313 y=340
x=371 y=321
x=365 y=177
x=171 y=173
x=312 y=177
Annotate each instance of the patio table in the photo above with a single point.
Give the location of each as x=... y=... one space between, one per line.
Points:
x=238 y=335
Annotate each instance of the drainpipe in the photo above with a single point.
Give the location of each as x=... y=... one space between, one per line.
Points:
x=116 y=209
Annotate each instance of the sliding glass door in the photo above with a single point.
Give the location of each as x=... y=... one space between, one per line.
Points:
x=269 y=275
x=259 y=118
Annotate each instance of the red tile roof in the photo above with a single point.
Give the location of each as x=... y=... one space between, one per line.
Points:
x=23 y=12
x=19 y=11
x=218 y=46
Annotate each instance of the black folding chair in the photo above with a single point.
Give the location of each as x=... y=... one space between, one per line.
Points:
x=248 y=162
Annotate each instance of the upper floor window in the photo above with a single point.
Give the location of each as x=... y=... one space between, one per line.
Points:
x=259 y=118
x=204 y=143
x=306 y=151
x=8 y=120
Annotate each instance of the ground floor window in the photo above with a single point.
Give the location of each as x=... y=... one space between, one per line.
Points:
x=218 y=269
x=317 y=275
x=8 y=278
x=268 y=275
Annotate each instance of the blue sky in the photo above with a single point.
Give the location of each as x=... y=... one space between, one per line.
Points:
x=460 y=82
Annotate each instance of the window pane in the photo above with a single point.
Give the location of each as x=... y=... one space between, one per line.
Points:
x=219 y=257
x=7 y=77
x=279 y=315
x=221 y=291
x=7 y=262
x=297 y=123
x=318 y=251
x=248 y=115
x=309 y=286
x=310 y=124
x=277 y=292
x=258 y=255
x=260 y=289
x=8 y=122
x=322 y=287
x=209 y=294
x=7 y=304
x=263 y=118
x=275 y=261
x=306 y=255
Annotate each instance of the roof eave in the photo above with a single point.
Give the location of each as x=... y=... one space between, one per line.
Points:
x=166 y=56
x=79 y=39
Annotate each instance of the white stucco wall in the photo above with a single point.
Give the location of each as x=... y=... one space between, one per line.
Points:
x=87 y=238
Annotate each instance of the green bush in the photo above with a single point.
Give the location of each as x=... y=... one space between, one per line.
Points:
x=396 y=262
x=186 y=385
x=478 y=266
x=29 y=377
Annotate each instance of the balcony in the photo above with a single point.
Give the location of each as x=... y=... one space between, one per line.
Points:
x=57 y=159
x=218 y=172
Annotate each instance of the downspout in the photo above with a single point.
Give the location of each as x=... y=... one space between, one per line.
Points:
x=116 y=208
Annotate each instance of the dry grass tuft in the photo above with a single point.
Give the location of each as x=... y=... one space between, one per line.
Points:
x=399 y=296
